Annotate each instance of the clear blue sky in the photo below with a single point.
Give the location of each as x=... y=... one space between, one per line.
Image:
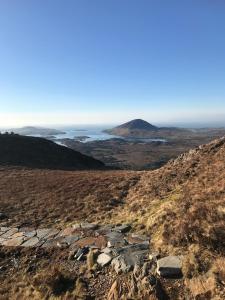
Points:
x=107 y=61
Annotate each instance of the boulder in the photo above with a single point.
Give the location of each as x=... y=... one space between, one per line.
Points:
x=169 y=266
x=104 y=259
x=115 y=239
x=126 y=261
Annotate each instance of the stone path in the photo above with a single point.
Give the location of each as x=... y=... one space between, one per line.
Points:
x=112 y=244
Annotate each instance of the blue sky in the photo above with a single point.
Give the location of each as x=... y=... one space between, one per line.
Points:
x=108 y=61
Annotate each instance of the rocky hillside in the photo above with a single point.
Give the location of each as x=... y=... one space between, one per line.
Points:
x=33 y=152
x=181 y=206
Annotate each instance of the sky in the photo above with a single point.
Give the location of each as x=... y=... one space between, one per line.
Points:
x=109 y=61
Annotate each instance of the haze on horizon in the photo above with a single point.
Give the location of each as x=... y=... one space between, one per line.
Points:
x=98 y=62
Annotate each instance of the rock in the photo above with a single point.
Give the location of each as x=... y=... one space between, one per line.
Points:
x=169 y=266
x=107 y=250
x=17 y=241
x=136 y=239
x=30 y=234
x=67 y=231
x=52 y=233
x=2 y=240
x=71 y=239
x=129 y=256
x=41 y=233
x=122 y=228
x=4 y=229
x=115 y=239
x=31 y=242
x=134 y=248
x=104 y=259
x=97 y=242
x=89 y=226
x=121 y=265
x=104 y=230
x=9 y=232
x=17 y=234
x=3 y=216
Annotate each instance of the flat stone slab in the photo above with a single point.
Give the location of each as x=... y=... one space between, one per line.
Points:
x=30 y=234
x=4 y=229
x=32 y=242
x=136 y=239
x=41 y=233
x=14 y=242
x=115 y=239
x=9 y=232
x=68 y=231
x=122 y=228
x=99 y=242
x=169 y=266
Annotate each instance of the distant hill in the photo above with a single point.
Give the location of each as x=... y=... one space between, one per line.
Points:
x=35 y=152
x=138 y=124
x=31 y=130
x=141 y=129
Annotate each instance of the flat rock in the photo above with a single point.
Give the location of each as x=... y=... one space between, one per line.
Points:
x=17 y=241
x=89 y=226
x=41 y=233
x=17 y=234
x=99 y=242
x=105 y=229
x=4 y=229
x=115 y=239
x=9 y=232
x=51 y=233
x=169 y=266
x=54 y=242
x=136 y=239
x=104 y=259
x=107 y=250
x=71 y=239
x=68 y=231
x=30 y=234
x=122 y=228
x=32 y=242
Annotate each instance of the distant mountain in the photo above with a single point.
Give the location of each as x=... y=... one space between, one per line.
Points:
x=35 y=152
x=141 y=129
x=31 y=130
x=137 y=124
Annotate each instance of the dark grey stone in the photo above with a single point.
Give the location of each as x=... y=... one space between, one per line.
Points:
x=169 y=266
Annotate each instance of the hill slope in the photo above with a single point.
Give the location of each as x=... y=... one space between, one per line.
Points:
x=33 y=152
x=180 y=206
